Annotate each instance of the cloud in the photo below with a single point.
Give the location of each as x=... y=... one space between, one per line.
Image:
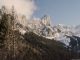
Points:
x=24 y=7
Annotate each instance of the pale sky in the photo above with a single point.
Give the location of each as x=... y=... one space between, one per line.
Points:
x=61 y=11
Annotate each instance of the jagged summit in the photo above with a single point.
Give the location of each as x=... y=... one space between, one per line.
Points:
x=46 y=20
x=18 y=20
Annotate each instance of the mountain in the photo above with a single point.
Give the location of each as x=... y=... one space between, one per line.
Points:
x=36 y=39
x=41 y=26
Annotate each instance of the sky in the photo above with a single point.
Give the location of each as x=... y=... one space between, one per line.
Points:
x=23 y=7
x=61 y=11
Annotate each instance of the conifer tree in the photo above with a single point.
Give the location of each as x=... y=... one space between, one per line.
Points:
x=3 y=28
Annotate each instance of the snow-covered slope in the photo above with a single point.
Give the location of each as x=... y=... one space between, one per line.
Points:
x=42 y=27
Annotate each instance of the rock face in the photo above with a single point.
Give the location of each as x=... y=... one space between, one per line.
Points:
x=46 y=20
x=41 y=26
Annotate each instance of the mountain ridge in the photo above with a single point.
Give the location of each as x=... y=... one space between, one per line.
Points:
x=42 y=26
x=29 y=41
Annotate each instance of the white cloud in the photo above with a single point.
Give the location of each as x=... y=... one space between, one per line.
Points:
x=24 y=7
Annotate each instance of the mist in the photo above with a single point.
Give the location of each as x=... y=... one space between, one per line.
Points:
x=24 y=7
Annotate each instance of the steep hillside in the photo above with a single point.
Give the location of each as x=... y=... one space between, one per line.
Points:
x=33 y=47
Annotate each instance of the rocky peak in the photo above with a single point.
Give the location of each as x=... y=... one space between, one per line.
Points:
x=46 y=20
